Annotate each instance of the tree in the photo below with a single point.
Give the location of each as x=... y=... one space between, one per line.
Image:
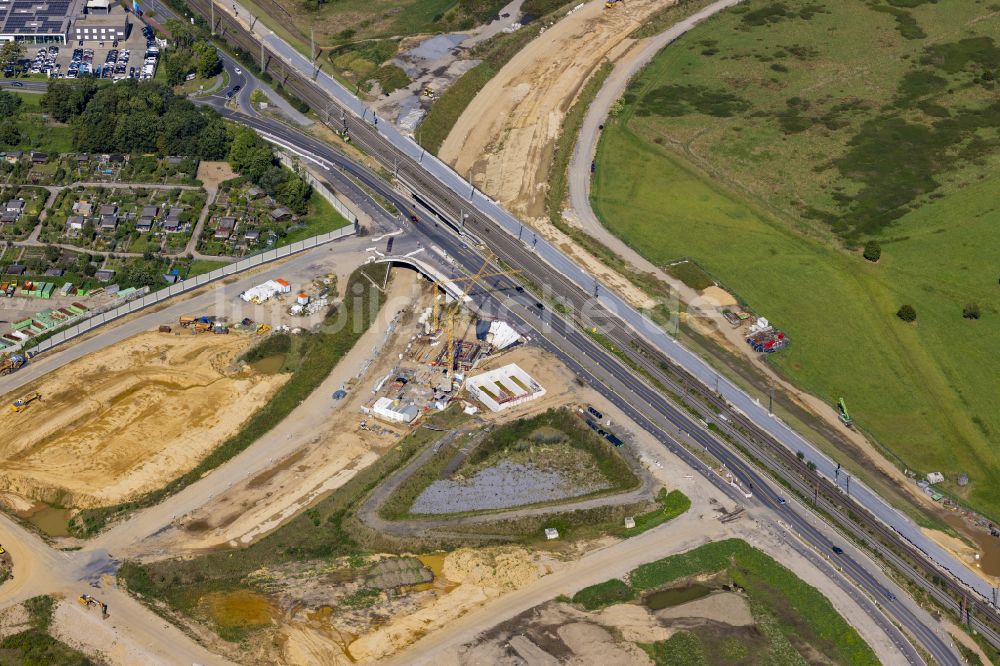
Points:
x=907 y=313
x=10 y=53
x=52 y=253
x=206 y=60
x=295 y=193
x=971 y=311
x=249 y=155
x=10 y=104
x=873 y=251
x=9 y=134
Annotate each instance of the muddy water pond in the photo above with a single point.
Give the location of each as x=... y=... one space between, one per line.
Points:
x=269 y=364
x=50 y=520
x=676 y=596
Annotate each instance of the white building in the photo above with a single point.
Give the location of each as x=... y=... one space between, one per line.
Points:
x=504 y=387
x=263 y=292
x=393 y=410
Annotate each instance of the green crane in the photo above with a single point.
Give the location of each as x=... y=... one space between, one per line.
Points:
x=845 y=416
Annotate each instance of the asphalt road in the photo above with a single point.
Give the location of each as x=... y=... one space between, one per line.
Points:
x=436 y=180
x=630 y=393
x=24 y=85
x=582 y=347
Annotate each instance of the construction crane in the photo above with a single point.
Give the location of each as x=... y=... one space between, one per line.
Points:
x=22 y=403
x=845 y=416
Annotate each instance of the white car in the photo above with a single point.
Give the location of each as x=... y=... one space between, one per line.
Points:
x=238 y=71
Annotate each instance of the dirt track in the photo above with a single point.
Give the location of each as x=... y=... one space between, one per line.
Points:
x=506 y=136
x=123 y=421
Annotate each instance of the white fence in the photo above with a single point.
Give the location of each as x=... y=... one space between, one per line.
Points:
x=322 y=189
x=101 y=318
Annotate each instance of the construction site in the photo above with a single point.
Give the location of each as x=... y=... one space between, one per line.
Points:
x=120 y=422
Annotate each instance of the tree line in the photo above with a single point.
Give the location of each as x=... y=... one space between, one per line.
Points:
x=135 y=117
x=148 y=117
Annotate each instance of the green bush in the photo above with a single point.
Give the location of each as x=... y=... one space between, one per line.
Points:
x=614 y=591
x=907 y=313
x=873 y=251
x=40 y=610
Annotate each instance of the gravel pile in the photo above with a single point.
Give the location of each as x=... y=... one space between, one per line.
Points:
x=506 y=484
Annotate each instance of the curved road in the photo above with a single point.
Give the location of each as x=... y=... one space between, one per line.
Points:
x=586 y=144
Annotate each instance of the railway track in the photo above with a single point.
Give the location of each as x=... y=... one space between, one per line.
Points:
x=894 y=549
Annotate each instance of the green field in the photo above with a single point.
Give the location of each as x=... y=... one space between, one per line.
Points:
x=774 y=139
x=792 y=619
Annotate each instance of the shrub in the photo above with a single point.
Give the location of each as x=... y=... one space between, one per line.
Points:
x=971 y=311
x=907 y=313
x=608 y=593
x=873 y=251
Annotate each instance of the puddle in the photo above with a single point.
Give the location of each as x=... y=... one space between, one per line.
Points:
x=434 y=562
x=52 y=521
x=269 y=365
x=676 y=596
x=988 y=546
x=241 y=608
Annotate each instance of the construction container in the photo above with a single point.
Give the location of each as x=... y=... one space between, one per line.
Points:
x=164 y=329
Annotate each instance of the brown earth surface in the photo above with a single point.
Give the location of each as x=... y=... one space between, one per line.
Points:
x=121 y=422
x=507 y=134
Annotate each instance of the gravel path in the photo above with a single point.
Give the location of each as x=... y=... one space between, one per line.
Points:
x=506 y=484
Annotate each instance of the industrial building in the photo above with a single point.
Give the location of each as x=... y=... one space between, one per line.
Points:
x=62 y=21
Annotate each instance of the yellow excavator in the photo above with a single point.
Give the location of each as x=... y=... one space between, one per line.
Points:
x=262 y=329
x=88 y=601
x=22 y=403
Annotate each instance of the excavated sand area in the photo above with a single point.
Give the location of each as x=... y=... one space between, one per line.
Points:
x=506 y=136
x=125 y=420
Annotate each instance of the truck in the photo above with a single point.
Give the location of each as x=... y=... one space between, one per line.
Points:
x=187 y=320
x=10 y=363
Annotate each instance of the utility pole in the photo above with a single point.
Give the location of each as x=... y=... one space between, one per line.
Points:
x=596 y=285
x=519 y=232
x=770 y=403
x=213 y=17
x=848 y=484
x=472 y=188
x=716 y=383
x=262 y=65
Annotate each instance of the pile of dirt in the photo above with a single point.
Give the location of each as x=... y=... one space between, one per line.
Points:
x=496 y=570
x=398 y=571
x=123 y=421
x=507 y=134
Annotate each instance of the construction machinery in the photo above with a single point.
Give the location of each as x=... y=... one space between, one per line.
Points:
x=22 y=403
x=202 y=327
x=10 y=363
x=262 y=329
x=845 y=416
x=452 y=312
x=611 y=3
x=187 y=320
x=89 y=601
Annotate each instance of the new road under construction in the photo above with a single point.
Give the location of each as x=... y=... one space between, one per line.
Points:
x=664 y=377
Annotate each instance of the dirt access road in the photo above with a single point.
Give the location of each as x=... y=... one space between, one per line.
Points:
x=506 y=136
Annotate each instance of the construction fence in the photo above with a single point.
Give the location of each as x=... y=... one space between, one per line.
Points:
x=101 y=318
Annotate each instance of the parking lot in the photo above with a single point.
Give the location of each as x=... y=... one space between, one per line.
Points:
x=108 y=60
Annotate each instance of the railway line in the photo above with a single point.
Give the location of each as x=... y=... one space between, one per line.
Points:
x=748 y=438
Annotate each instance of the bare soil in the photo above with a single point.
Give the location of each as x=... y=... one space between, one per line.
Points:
x=121 y=422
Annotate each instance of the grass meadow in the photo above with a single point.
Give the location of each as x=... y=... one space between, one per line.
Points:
x=772 y=141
